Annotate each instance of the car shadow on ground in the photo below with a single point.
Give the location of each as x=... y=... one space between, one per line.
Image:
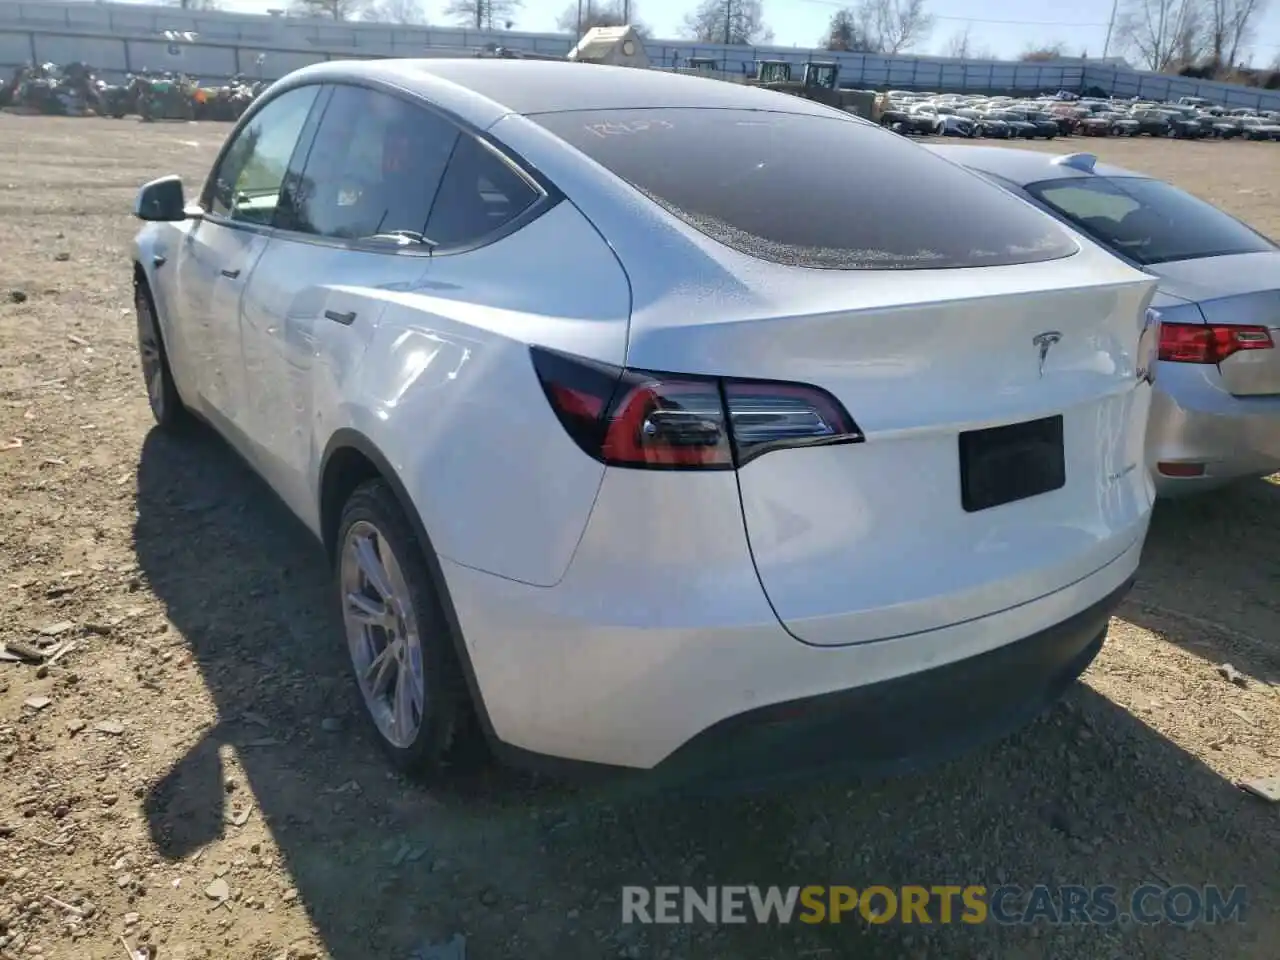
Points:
x=1088 y=794
x=1210 y=576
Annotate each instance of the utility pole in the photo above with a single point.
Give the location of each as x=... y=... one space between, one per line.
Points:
x=1111 y=25
x=728 y=21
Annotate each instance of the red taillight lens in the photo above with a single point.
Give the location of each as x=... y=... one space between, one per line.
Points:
x=666 y=422
x=1180 y=469
x=1204 y=343
x=635 y=418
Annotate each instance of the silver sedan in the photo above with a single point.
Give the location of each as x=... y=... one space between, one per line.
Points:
x=1215 y=415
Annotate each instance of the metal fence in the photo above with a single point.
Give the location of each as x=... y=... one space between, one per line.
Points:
x=121 y=38
x=1156 y=86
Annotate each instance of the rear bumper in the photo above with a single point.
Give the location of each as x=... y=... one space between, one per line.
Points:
x=1193 y=420
x=659 y=639
x=898 y=725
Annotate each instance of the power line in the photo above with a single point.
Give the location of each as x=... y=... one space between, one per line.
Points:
x=1023 y=23
x=1011 y=23
x=1110 y=25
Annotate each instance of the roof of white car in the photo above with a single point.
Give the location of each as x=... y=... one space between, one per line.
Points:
x=1022 y=166
x=481 y=90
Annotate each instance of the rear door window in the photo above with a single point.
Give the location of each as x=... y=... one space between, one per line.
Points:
x=812 y=191
x=374 y=168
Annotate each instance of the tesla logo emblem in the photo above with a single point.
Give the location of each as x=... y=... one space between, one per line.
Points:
x=1044 y=342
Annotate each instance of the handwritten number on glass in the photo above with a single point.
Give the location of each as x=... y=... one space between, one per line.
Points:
x=621 y=128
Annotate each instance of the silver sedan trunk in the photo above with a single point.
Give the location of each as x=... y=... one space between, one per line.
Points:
x=1241 y=292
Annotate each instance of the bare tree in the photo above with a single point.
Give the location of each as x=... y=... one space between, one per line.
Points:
x=196 y=5
x=333 y=9
x=899 y=24
x=398 y=11
x=728 y=21
x=962 y=47
x=849 y=31
x=602 y=13
x=1046 y=51
x=1163 y=33
x=879 y=26
x=1230 y=27
x=959 y=45
x=482 y=14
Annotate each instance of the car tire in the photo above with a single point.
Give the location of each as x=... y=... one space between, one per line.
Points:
x=376 y=551
x=170 y=414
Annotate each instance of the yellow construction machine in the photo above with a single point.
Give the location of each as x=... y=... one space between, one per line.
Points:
x=819 y=80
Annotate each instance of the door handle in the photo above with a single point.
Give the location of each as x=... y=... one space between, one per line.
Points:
x=231 y=274
x=346 y=319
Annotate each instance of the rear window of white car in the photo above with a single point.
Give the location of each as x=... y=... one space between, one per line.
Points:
x=811 y=191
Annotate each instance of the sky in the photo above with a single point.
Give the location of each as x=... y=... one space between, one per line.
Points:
x=1004 y=27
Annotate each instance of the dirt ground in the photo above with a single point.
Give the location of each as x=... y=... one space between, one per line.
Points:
x=192 y=773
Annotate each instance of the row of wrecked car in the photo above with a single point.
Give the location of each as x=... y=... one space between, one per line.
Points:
x=75 y=90
x=1063 y=114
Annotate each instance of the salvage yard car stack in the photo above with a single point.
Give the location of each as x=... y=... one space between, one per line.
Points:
x=75 y=90
x=1003 y=117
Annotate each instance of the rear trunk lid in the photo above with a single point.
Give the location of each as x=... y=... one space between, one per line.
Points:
x=1241 y=290
x=766 y=253
x=948 y=511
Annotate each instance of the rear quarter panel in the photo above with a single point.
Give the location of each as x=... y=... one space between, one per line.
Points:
x=447 y=393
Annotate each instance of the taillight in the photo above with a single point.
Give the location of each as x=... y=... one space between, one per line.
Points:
x=768 y=416
x=638 y=418
x=1205 y=343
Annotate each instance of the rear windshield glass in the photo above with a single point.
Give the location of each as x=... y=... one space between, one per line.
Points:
x=1147 y=220
x=812 y=191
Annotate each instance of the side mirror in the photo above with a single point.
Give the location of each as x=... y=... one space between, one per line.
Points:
x=161 y=200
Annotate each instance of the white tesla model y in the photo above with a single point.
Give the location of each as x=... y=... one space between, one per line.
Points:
x=658 y=421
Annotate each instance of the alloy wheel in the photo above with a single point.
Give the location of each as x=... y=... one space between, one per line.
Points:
x=382 y=634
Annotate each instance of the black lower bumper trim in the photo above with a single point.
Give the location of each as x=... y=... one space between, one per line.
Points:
x=903 y=724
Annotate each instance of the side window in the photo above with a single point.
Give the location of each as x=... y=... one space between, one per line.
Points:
x=246 y=185
x=374 y=168
x=480 y=193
